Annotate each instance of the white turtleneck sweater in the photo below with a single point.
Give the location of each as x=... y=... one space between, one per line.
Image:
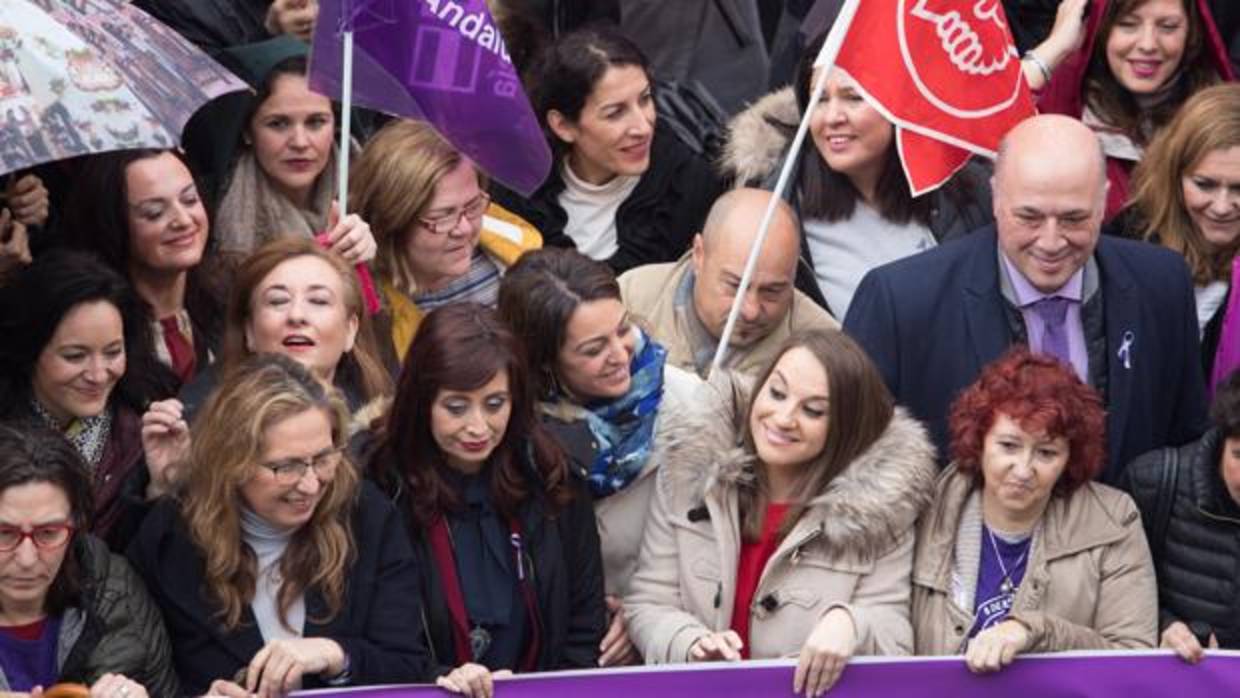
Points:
x=269 y=544
x=591 y=210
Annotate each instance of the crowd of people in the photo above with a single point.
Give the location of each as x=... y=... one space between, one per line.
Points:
x=998 y=418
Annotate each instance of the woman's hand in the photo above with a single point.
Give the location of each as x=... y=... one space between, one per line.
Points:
x=279 y=666
x=1065 y=37
x=27 y=198
x=473 y=680
x=228 y=689
x=350 y=237
x=996 y=646
x=165 y=443
x=827 y=649
x=616 y=648
x=117 y=686
x=714 y=647
x=14 y=244
x=1178 y=637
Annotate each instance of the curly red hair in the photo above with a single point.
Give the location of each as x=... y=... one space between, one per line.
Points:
x=1041 y=395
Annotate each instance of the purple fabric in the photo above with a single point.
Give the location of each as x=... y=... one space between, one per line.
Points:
x=991 y=603
x=1110 y=675
x=1227 y=356
x=441 y=61
x=1073 y=290
x=30 y=663
x=1053 y=310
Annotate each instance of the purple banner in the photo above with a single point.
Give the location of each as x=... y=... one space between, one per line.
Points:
x=441 y=61
x=1118 y=674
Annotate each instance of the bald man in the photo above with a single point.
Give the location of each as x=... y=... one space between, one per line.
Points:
x=685 y=304
x=1119 y=313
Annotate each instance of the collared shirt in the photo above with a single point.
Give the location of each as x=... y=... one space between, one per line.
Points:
x=1023 y=295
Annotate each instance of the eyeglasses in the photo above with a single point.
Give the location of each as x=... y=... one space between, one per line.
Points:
x=46 y=537
x=442 y=225
x=290 y=471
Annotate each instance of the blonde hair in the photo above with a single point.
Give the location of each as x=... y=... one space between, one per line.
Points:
x=361 y=365
x=229 y=441
x=391 y=186
x=1207 y=122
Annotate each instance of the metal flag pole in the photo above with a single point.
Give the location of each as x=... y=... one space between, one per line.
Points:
x=346 y=112
x=824 y=63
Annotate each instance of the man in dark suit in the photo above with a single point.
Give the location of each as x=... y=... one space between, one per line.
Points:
x=1120 y=313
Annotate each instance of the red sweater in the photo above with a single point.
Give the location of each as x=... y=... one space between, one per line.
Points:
x=753 y=559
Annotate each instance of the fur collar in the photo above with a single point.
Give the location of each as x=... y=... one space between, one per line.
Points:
x=758 y=136
x=872 y=501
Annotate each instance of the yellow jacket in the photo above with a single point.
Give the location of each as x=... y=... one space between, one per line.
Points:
x=505 y=236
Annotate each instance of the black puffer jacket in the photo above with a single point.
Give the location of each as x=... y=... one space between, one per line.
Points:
x=658 y=220
x=1196 y=546
x=115 y=628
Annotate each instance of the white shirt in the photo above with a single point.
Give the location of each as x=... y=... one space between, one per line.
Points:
x=591 y=210
x=845 y=250
x=1209 y=299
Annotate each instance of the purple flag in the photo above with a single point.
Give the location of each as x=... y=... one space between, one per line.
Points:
x=441 y=61
x=1067 y=675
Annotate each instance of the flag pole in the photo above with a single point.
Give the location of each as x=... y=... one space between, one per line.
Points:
x=346 y=115
x=823 y=64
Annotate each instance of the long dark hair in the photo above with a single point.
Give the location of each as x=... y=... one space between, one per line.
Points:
x=96 y=220
x=462 y=346
x=35 y=454
x=33 y=306
x=1115 y=105
x=539 y=294
x=566 y=72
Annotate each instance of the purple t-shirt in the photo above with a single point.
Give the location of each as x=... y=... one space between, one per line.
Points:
x=30 y=663
x=992 y=601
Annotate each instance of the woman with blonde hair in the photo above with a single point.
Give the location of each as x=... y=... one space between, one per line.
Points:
x=441 y=240
x=295 y=298
x=1186 y=197
x=275 y=566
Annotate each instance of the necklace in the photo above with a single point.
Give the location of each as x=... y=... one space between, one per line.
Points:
x=1005 y=585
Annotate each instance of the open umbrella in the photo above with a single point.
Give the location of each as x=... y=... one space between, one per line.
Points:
x=89 y=76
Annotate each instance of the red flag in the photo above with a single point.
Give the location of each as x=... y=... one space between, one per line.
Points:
x=945 y=72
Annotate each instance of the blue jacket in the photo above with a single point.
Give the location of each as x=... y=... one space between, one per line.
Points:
x=932 y=321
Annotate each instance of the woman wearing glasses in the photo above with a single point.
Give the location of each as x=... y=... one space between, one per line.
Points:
x=440 y=238
x=276 y=569
x=69 y=610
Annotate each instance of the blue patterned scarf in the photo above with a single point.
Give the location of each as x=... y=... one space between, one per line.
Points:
x=623 y=427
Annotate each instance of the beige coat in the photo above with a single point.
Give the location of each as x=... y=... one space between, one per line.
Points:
x=622 y=516
x=852 y=549
x=649 y=293
x=1089 y=583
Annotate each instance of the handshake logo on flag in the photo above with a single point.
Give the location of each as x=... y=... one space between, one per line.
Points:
x=975 y=44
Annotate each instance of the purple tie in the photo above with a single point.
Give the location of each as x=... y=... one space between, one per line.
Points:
x=1053 y=310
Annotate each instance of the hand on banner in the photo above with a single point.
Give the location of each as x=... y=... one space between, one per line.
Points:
x=826 y=651
x=616 y=648
x=228 y=689
x=278 y=667
x=473 y=680
x=27 y=198
x=165 y=443
x=713 y=647
x=1178 y=637
x=996 y=646
x=350 y=237
x=14 y=244
x=110 y=685
x=295 y=17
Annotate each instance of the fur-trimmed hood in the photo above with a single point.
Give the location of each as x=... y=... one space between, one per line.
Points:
x=758 y=137
x=869 y=504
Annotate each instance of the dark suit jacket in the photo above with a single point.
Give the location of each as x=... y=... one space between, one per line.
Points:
x=933 y=320
x=379 y=627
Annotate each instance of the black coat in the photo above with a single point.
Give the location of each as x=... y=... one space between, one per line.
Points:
x=658 y=220
x=379 y=626
x=568 y=579
x=1196 y=546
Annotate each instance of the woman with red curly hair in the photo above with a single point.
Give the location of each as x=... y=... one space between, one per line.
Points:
x=1021 y=551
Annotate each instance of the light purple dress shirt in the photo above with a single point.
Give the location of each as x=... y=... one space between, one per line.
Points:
x=1027 y=295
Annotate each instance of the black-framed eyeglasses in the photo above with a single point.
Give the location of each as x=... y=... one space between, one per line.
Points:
x=45 y=537
x=442 y=225
x=290 y=471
